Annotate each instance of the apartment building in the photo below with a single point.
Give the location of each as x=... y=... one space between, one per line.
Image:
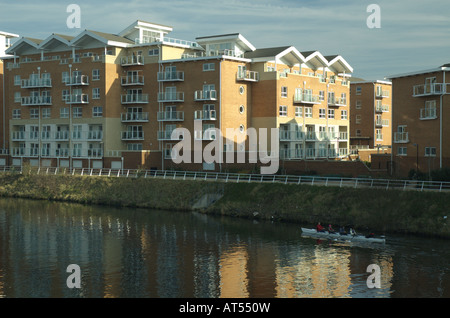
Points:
x=421 y=131
x=5 y=43
x=113 y=100
x=370 y=122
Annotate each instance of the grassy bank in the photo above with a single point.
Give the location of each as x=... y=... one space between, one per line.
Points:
x=379 y=210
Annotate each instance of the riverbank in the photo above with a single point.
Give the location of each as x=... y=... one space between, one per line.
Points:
x=412 y=212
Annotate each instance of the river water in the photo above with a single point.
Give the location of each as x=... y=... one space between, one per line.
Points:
x=124 y=252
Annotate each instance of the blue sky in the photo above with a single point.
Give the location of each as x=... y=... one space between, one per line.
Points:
x=413 y=34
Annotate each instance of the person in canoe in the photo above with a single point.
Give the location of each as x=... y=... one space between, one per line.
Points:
x=352 y=232
x=330 y=229
x=319 y=228
x=342 y=231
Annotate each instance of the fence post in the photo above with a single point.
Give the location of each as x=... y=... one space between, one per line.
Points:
x=356 y=183
x=387 y=186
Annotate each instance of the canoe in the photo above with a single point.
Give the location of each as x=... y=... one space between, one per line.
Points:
x=344 y=237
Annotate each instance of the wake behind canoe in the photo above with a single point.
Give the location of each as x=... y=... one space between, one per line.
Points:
x=345 y=237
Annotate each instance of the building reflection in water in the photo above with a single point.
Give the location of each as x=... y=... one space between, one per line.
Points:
x=139 y=253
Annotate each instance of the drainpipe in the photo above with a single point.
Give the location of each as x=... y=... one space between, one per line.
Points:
x=4 y=111
x=220 y=118
x=440 y=122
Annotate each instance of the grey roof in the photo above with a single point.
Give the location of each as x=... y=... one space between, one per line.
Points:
x=112 y=37
x=266 y=52
x=217 y=36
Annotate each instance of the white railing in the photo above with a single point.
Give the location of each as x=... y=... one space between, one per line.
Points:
x=386 y=184
x=428 y=113
x=429 y=89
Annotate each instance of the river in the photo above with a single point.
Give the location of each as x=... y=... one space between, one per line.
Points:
x=123 y=252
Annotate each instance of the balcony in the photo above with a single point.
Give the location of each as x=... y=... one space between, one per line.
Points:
x=205 y=115
x=401 y=137
x=24 y=152
x=134 y=117
x=132 y=60
x=79 y=80
x=37 y=83
x=306 y=98
x=429 y=89
x=378 y=123
x=95 y=135
x=311 y=136
x=291 y=135
x=173 y=97
x=171 y=76
x=36 y=101
x=340 y=102
x=18 y=136
x=209 y=134
x=250 y=76
x=78 y=99
x=170 y=116
x=134 y=99
x=343 y=136
x=286 y=154
x=205 y=95
x=132 y=80
x=382 y=93
x=167 y=135
x=428 y=113
x=132 y=135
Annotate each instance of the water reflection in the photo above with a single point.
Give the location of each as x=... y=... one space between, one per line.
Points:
x=142 y=253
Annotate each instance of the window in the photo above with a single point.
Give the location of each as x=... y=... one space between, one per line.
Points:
x=134 y=147
x=65 y=77
x=34 y=113
x=153 y=52
x=331 y=113
x=209 y=67
x=17 y=81
x=358 y=119
x=344 y=115
x=298 y=111
x=358 y=104
x=321 y=95
x=308 y=112
x=46 y=113
x=64 y=112
x=358 y=90
x=401 y=151
x=241 y=128
x=95 y=75
x=241 y=90
x=322 y=113
x=65 y=95
x=379 y=135
x=96 y=93
x=241 y=109
x=430 y=151
x=358 y=132
x=77 y=112
x=97 y=111
x=283 y=111
x=17 y=97
x=16 y=114
x=284 y=91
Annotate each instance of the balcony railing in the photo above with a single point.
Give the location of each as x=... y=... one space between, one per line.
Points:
x=167 y=135
x=77 y=99
x=37 y=83
x=286 y=154
x=401 y=137
x=134 y=99
x=132 y=135
x=132 y=60
x=205 y=115
x=79 y=80
x=18 y=135
x=37 y=101
x=170 y=76
x=337 y=101
x=94 y=135
x=429 y=89
x=382 y=93
x=209 y=134
x=134 y=117
x=428 y=113
x=251 y=76
x=170 y=116
x=306 y=98
x=291 y=135
x=132 y=80
x=311 y=136
x=171 y=97
x=205 y=95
